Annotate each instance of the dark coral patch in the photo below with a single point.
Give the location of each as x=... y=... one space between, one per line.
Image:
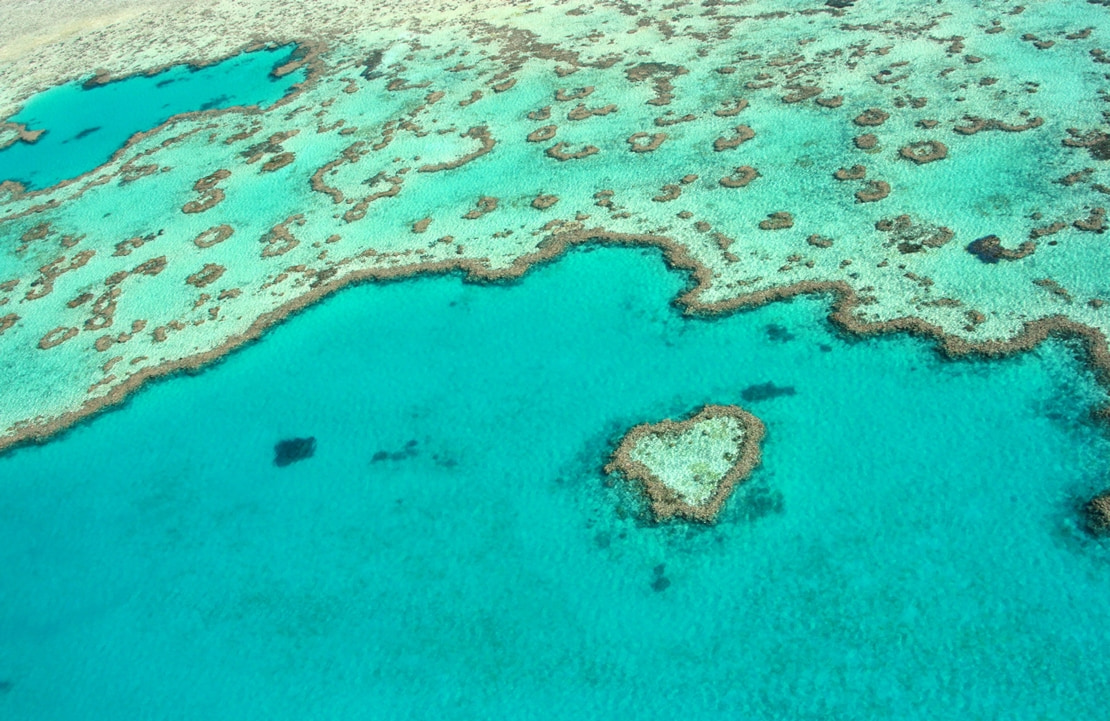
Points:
x=766 y=391
x=1097 y=511
x=989 y=249
x=292 y=450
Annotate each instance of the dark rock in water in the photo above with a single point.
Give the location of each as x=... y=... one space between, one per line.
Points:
x=660 y=569
x=5 y=686
x=765 y=391
x=660 y=584
x=1101 y=149
x=372 y=61
x=292 y=450
x=777 y=333
x=757 y=500
x=444 y=461
x=986 y=249
x=989 y=249
x=840 y=4
x=215 y=102
x=1098 y=514
x=409 y=451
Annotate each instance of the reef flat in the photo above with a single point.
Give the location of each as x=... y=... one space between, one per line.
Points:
x=688 y=468
x=935 y=167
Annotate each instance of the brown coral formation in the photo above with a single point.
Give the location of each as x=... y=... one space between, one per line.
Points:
x=154 y=266
x=270 y=146
x=779 y=220
x=989 y=249
x=543 y=202
x=49 y=273
x=665 y=121
x=39 y=231
x=103 y=310
x=581 y=112
x=56 y=337
x=351 y=154
x=740 y=177
x=1093 y=223
x=539 y=135
x=210 y=194
x=559 y=152
x=280 y=240
x=670 y=192
x=798 y=93
x=876 y=190
x=214 y=235
x=856 y=172
x=871 y=117
x=207 y=275
x=665 y=503
x=125 y=247
x=277 y=162
x=661 y=75
x=653 y=141
x=481 y=134
x=1097 y=512
x=924 y=151
x=1044 y=230
x=867 y=141
x=22 y=134
x=731 y=107
x=358 y=210
x=7 y=321
x=564 y=95
x=1095 y=141
x=743 y=134
x=486 y=204
x=912 y=236
x=1055 y=288
x=976 y=124
x=475 y=96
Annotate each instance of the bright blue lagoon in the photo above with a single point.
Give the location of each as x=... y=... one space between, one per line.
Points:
x=908 y=550
x=84 y=127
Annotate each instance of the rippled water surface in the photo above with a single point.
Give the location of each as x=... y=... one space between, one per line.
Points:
x=908 y=549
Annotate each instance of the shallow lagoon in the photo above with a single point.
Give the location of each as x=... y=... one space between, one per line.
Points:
x=84 y=127
x=907 y=550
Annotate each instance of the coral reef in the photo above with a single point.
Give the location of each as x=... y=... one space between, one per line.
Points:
x=688 y=468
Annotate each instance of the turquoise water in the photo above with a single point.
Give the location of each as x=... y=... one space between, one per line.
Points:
x=908 y=550
x=85 y=127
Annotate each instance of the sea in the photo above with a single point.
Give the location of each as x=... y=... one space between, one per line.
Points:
x=911 y=547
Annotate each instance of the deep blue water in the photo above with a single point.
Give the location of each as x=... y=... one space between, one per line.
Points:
x=908 y=550
x=85 y=127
